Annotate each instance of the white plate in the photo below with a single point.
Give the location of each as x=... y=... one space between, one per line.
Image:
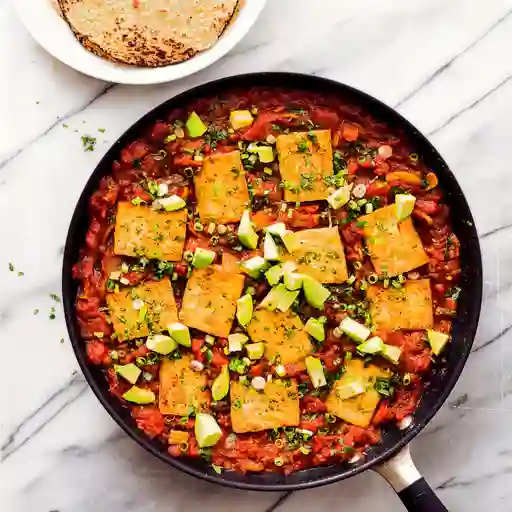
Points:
x=54 y=35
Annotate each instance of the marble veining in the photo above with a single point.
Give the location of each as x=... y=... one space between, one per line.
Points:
x=444 y=65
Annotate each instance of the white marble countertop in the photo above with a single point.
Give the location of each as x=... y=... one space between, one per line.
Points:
x=444 y=65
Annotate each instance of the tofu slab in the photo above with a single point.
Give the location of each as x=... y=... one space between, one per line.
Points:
x=305 y=159
x=130 y=323
x=142 y=231
x=319 y=254
x=221 y=189
x=209 y=303
x=254 y=411
x=282 y=333
x=359 y=409
x=409 y=307
x=395 y=247
x=181 y=388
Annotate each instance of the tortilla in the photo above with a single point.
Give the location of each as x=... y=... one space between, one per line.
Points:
x=148 y=33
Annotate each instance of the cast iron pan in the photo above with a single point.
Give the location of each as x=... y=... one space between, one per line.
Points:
x=391 y=457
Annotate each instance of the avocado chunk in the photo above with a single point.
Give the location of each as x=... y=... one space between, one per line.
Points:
x=236 y=342
x=203 y=257
x=180 y=334
x=290 y=242
x=207 y=430
x=270 y=248
x=404 y=204
x=277 y=229
x=372 y=346
x=161 y=344
x=279 y=298
x=195 y=126
x=265 y=153
x=315 y=371
x=139 y=396
x=246 y=233
x=339 y=197
x=351 y=386
x=275 y=273
x=254 y=266
x=316 y=294
x=391 y=353
x=129 y=372
x=171 y=204
x=240 y=119
x=315 y=329
x=220 y=386
x=244 y=309
x=437 y=340
x=255 y=350
x=293 y=280
x=358 y=332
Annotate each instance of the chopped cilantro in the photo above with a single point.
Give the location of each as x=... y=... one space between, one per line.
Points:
x=88 y=142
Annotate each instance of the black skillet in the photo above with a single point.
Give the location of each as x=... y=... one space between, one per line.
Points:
x=391 y=457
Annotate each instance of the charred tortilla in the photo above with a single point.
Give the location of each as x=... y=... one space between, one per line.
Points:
x=148 y=33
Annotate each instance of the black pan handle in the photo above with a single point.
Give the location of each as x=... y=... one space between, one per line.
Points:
x=411 y=487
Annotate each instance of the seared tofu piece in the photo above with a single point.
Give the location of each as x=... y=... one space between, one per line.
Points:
x=282 y=333
x=359 y=409
x=142 y=231
x=395 y=247
x=182 y=390
x=409 y=307
x=209 y=303
x=305 y=160
x=221 y=189
x=319 y=253
x=276 y=406
x=158 y=311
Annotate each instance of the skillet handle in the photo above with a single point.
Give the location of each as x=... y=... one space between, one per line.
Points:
x=411 y=487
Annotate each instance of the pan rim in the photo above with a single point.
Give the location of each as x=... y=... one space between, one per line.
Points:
x=208 y=89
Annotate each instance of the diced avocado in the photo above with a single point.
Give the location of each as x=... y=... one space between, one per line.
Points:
x=372 y=346
x=339 y=197
x=129 y=372
x=316 y=294
x=358 y=332
x=236 y=342
x=315 y=371
x=220 y=386
x=244 y=309
x=161 y=344
x=279 y=298
x=293 y=280
x=240 y=119
x=203 y=257
x=265 y=153
x=255 y=350
x=209 y=339
x=352 y=386
x=391 y=353
x=246 y=233
x=275 y=273
x=404 y=204
x=172 y=204
x=290 y=242
x=180 y=333
x=254 y=266
x=315 y=328
x=270 y=248
x=437 y=340
x=207 y=430
x=140 y=396
x=277 y=229
x=195 y=126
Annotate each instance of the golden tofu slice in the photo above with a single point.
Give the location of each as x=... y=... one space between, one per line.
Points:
x=359 y=409
x=158 y=311
x=209 y=303
x=409 y=307
x=182 y=390
x=282 y=333
x=395 y=247
x=221 y=189
x=276 y=406
x=142 y=231
x=318 y=253
x=305 y=160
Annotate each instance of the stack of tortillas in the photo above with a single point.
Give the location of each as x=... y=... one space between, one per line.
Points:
x=148 y=32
